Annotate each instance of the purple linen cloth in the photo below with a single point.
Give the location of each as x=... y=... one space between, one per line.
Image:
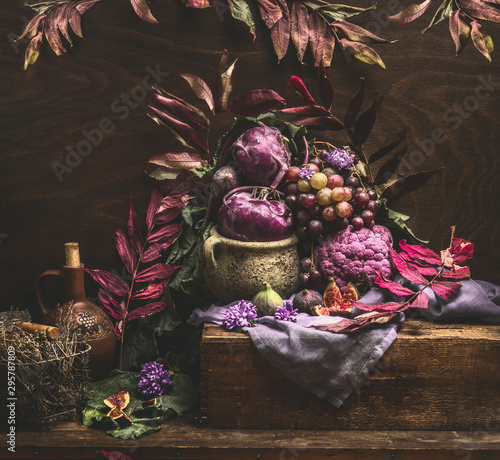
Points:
x=329 y=365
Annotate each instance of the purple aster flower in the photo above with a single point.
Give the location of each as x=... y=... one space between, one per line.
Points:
x=153 y=379
x=286 y=312
x=306 y=172
x=240 y=315
x=340 y=159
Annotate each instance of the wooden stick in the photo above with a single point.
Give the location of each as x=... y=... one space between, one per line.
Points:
x=51 y=332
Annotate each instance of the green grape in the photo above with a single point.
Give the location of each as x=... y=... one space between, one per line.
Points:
x=319 y=181
x=304 y=185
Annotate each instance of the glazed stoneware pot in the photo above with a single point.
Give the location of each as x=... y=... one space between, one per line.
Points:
x=236 y=269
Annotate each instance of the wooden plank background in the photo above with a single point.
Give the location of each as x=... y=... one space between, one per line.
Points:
x=47 y=108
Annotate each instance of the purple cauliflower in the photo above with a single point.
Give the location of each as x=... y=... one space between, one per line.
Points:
x=349 y=255
x=262 y=154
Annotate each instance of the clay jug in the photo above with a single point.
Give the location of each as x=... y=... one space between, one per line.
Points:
x=86 y=320
x=236 y=269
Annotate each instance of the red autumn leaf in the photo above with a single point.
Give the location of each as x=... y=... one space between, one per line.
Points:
x=125 y=250
x=446 y=289
x=410 y=13
x=393 y=287
x=83 y=7
x=362 y=52
x=417 y=251
x=280 y=31
x=168 y=214
x=322 y=40
x=325 y=87
x=164 y=232
x=482 y=41
x=201 y=89
x=157 y=271
x=51 y=32
x=154 y=251
x=270 y=12
x=253 y=103
x=133 y=229
x=114 y=309
x=360 y=322
x=151 y=291
x=354 y=106
x=146 y=310
x=183 y=112
x=75 y=20
x=422 y=267
x=115 y=455
x=109 y=281
x=198 y=3
x=31 y=29
x=154 y=202
x=184 y=133
x=313 y=116
x=407 y=184
x=456 y=274
x=299 y=86
x=421 y=301
x=299 y=28
x=141 y=8
x=461 y=250
x=459 y=30
x=62 y=21
x=386 y=306
x=406 y=271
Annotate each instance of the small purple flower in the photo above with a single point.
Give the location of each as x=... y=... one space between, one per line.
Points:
x=306 y=172
x=286 y=312
x=240 y=315
x=340 y=159
x=153 y=379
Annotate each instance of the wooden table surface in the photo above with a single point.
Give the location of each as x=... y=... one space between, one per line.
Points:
x=48 y=108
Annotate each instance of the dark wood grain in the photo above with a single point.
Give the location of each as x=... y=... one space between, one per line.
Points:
x=44 y=110
x=433 y=377
x=178 y=439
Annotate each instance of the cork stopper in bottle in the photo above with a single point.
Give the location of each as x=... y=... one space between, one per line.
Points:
x=72 y=255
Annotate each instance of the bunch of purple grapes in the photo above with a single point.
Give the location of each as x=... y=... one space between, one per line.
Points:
x=325 y=198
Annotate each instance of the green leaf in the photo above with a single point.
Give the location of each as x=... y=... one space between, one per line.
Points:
x=394 y=219
x=443 y=12
x=241 y=11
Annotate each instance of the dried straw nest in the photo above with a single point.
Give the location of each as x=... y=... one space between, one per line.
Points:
x=51 y=377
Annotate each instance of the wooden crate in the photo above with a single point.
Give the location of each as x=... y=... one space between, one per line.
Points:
x=433 y=377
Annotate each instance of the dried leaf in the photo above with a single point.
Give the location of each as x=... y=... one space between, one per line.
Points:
x=183 y=112
x=322 y=40
x=177 y=161
x=33 y=50
x=379 y=307
x=421 y=301
x=354 y=106
x=360 y=322
x=75 y=20
x=482 y=41
x=134 y=230
x=270 y=12
x=146 y=310
x=339 y=12
x=313 y=116
x=198 y=4
x=110 y=304
x=325 y=88
x=183 y=132
x=157 y=271
x=460 y=31
x=51 y=32
x=115 y=455
x=357 y=33
x=241 y=11
x=255 y=102
x=31 y=29
x=141 y=7
x=410 y=13
x=109 y=281
x=407 y=184
x=446 y=289
x=201 y=89
x=362 y=52
x=365 y=122
x=456 y=274
x=393 y=287
x=84 y=6
x=280 y=32
x=417 y=251
x=164 y=232
x=421 y=267
x=154 y=203
x=154 y=251
x=300 y=28
x=62 y=21
x=410 y=273
x=299 y=86
x=152 y=291
x=443 y=12
x=479 y=9
x=125 y=250
x=168 y=95
x=226 y=85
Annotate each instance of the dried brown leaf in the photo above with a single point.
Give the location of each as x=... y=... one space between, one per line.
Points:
x=300 y=28
x=410 y=13
x=201 y=89
x=482 y=41
x=460 y=30
x=142 y=10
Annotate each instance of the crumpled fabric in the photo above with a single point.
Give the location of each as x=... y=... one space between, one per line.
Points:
x=331 y=365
